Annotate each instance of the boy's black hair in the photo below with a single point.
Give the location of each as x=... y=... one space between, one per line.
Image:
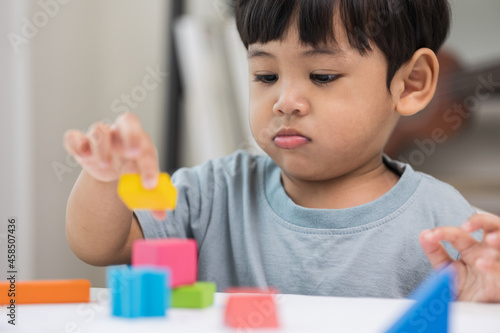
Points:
x=397 y=27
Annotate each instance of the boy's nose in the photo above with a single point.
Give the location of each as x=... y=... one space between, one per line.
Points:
x=291 y=101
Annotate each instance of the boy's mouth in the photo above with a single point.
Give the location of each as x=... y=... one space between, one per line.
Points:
x=288 y=138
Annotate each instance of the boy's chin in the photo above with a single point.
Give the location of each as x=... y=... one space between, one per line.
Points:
x=303 y=169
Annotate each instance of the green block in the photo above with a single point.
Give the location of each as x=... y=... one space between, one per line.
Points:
x=199 y=295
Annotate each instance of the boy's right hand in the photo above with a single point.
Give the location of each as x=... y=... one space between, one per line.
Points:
x=106 y=152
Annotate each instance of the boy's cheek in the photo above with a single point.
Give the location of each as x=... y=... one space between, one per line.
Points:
x=263 y=135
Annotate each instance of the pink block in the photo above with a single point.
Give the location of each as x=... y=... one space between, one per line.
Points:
x=179 y=255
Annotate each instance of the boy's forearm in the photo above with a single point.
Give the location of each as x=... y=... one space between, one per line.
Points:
x=98 y=224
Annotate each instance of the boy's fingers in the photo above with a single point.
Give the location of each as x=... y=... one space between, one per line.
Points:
x=131 y=134
x=148 y=167
x=493 y=239
x=128 y=166
x=77 y=144
x=459 y=238
x=100 y=139
x=116 y=140
x=487 y=222
x=138 y=146
x=435 y=251
x=489 y=265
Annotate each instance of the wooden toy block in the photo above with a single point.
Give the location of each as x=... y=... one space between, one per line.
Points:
x=45 y=291
x=198 y=295
x=135 y=196
x=179 y=255
x=138 y=292
x=430 y=311
x=251 y=310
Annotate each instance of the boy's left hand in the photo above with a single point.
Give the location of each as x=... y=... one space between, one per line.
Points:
x=478 y=269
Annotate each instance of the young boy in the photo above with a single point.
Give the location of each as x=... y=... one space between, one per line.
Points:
x=326 y=213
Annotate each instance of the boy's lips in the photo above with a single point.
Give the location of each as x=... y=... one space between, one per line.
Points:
x=288 y=138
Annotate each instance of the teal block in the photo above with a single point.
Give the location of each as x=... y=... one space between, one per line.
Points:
x=139 y=292
x=430 y=311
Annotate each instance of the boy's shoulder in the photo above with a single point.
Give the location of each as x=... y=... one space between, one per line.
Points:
x=432 y=195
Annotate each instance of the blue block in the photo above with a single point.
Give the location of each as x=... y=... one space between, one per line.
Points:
x=430 y=311
x=139 y=292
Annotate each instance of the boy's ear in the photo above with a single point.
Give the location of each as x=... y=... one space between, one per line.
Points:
x=414 y=84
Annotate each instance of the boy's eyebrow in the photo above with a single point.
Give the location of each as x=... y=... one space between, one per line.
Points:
x=254 y=53
x=331 y=51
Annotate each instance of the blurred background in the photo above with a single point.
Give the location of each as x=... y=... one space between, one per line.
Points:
x=180 y=67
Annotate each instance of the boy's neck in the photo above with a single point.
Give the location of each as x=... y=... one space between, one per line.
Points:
x=359 y=187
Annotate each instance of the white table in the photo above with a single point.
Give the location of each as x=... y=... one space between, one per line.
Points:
x=296 y=313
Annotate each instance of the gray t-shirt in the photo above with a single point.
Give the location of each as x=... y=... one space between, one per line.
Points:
x=250 y=233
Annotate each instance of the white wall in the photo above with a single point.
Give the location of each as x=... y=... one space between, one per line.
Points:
x=474 y=32
x=16 y=196
x=83 y=57
x=471 y=161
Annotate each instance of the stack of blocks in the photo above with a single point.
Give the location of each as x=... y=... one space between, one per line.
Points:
x=179 y=255
x=163 y=275
x=163 y=271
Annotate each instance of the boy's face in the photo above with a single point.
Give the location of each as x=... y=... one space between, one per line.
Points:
x=319 y=113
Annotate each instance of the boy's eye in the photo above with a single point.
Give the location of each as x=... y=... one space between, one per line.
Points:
x=324 y=78
x=267 y=78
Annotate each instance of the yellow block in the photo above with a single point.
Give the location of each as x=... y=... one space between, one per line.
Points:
x=135 y=196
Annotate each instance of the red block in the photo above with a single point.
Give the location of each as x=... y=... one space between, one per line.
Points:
x=254 y=310
x=179 y=255
x=250 y=290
